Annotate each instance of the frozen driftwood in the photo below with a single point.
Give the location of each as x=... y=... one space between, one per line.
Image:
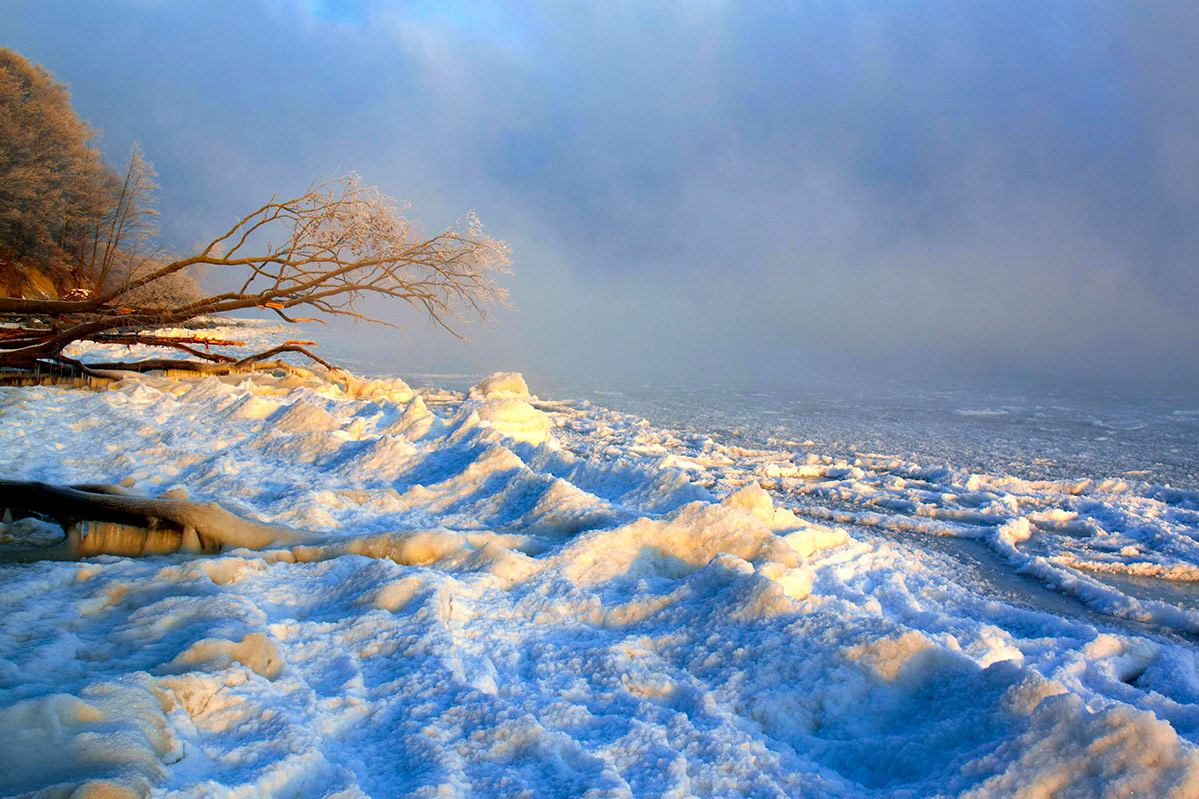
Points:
x=101 y=519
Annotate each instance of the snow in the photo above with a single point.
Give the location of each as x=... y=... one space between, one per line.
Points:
x=507 y=596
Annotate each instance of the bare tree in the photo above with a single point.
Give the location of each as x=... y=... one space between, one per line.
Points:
x=126 y=231
x=340 y=243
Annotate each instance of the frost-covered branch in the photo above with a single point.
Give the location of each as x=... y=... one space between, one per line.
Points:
x=341 y=243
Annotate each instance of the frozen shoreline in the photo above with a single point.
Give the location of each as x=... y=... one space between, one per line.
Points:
x=561 y=599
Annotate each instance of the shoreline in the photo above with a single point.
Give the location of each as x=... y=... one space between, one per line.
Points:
x=544 y=596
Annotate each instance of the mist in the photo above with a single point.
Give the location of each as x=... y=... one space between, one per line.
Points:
x=702 y=189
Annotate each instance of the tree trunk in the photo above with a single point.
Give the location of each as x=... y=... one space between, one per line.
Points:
x=103 y=520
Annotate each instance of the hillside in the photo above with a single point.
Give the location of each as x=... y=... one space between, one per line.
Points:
x=31 y=280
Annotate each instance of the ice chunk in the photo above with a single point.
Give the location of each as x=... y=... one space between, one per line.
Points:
x=676 y=545
x=753 y=498
x=501 y=385
x=387 y=390
x=516 y=419
x=814 y=537
x=30 y=531
x=255 y=651
x=1013 y=532
x=805 y=538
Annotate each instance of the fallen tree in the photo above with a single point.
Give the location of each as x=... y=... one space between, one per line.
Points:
x=342 y=243
x=103 y=519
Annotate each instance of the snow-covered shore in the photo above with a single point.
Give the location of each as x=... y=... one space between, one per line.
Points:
x=552 y=599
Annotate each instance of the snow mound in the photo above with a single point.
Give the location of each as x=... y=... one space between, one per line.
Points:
x=304 y=417
x=255 y=408
x=1070 y=752
x=109 y=741
x=565 y=510
x=675 y=545
x=501 y=385
x=416 y=422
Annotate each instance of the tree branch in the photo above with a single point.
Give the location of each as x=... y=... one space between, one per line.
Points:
x=342 y=243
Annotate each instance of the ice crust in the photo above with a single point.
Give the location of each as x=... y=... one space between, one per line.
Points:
x=552 y=599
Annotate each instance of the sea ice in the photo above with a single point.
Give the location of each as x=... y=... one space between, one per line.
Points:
x=500 y=596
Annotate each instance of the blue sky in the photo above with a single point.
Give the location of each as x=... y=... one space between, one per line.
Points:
x=704 y=187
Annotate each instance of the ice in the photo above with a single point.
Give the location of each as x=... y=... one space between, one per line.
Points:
x=1070 y=752
x=497 y=595
x=110 y=741
x=501 y=385
x=516 y=419
x=982 y=413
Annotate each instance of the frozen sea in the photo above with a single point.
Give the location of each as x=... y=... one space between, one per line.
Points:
x=819 y=589
x=1034 y=427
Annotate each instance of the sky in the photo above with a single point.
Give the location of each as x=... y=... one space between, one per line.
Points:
x=702 y=189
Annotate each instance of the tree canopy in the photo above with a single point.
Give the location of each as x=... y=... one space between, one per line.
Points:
x=54 y=186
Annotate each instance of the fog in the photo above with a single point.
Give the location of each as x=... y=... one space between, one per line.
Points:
x=692 y=188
